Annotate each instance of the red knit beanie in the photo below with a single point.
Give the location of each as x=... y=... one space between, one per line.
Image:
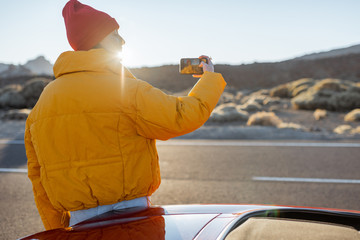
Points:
x=86 y=26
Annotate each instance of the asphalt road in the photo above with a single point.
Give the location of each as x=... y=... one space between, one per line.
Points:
x=284 y=173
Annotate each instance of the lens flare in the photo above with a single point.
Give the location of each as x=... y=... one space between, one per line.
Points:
x=120 y=55
x=124 y=56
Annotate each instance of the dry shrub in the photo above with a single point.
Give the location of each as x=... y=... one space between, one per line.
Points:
x=225 y=107
x=281 y=91
x=330 y=84
x=272 y=101
x=320 y=114
x=354 y=88
x=249 y=107
x=239 y=96
x=343 y=129
x=261 y=92
x=353 y=116
x=264 y=119
x=226 y=97
x=292 y=89
x=346 y=100
x=300 y=82
x=11 y=88
x=355 y=130
x=291 y=126
x=257 y=99
x=329 y=94
x=299 y=86
x=299 y=90
x=347 y=129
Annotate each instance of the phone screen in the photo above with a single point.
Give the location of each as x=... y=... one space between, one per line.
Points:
x=190 y=66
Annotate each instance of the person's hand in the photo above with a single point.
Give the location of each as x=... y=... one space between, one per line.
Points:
x=207 y=67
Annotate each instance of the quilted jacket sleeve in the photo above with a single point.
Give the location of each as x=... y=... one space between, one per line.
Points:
x=50 y=217
x=162 y=116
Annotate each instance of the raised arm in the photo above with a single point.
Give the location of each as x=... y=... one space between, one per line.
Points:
x=162 y=116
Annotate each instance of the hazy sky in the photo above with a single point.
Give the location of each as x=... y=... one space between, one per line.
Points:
x=159 y=32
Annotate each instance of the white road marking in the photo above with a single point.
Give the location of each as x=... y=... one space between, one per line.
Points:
x=309 y=180
x=255 y=144
x=13 y=170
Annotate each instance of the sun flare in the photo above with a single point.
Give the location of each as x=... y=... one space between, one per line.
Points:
x=124 y=56
x=120 y=55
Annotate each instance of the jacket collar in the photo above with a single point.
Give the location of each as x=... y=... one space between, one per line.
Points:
x=94 y=60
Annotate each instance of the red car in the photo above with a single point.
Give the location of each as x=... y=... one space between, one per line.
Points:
x=215 y=222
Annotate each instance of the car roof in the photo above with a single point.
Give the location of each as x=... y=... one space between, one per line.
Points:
x=202 y=221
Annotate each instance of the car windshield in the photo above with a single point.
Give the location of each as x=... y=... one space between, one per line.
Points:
x=274 y=229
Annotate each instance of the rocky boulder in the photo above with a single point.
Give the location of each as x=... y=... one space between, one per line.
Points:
x=10 y=97
x=32 y=90
x=228 y=112
x=26 y=96
x=16 y=114
x=251 y=106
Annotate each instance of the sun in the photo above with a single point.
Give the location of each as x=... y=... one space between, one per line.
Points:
x=120 y=55
x=124 y=55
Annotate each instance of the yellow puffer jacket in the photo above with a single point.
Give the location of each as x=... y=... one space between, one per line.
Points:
x=90 y=139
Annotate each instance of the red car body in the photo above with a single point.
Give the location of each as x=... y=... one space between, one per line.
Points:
x=190 y=221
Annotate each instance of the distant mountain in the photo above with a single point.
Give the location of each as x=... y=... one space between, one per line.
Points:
x=267 y=75
x=339 y=63
x=40 y=66
x=3 y=67
x=19 y=74
x=15 y=71
x=333 y=53
x=259 y=75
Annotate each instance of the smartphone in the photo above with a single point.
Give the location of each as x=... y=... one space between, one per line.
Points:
x=191 y=65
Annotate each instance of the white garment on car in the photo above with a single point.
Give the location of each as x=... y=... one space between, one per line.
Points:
x=82 y=215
